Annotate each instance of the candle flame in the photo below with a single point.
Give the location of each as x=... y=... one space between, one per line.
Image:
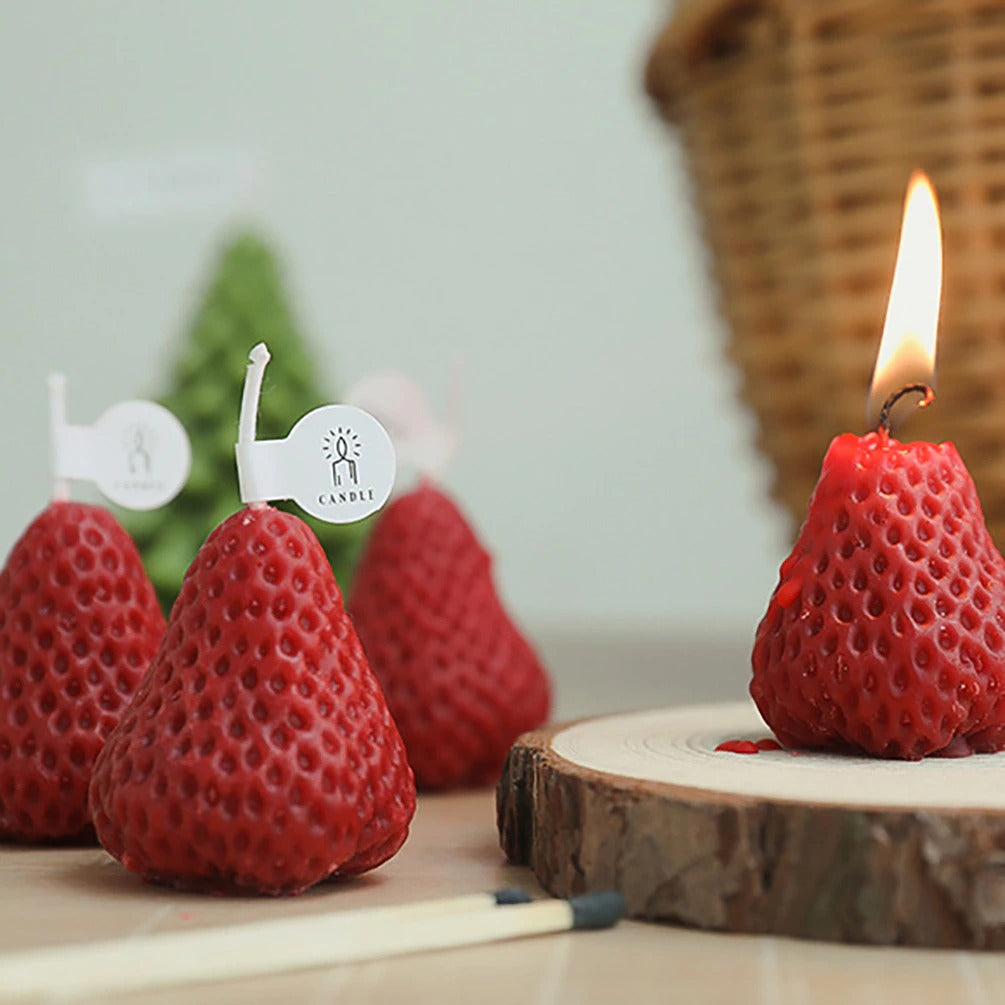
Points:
x=907 y=350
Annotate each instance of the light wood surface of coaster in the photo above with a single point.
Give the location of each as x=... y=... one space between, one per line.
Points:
x=816 y=845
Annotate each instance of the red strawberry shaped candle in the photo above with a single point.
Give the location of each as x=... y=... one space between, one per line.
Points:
x=259 y=754
x=79 y=624
x=886 y=632
x=460 y=679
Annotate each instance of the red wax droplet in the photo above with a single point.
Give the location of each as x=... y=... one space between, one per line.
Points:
x=768 y=744
x=738 y=746
x=788 y=591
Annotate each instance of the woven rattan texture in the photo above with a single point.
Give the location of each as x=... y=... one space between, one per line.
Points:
x=802 y=121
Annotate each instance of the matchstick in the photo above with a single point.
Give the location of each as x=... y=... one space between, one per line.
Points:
x=270 y=947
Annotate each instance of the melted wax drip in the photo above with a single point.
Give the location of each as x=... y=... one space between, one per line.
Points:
x=748 y=746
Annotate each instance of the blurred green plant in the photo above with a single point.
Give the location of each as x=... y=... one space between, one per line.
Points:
x=244 y=304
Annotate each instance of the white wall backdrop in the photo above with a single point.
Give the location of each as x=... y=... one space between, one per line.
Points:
x=483 y=181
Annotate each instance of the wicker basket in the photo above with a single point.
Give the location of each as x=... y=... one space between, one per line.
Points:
x=801 y=121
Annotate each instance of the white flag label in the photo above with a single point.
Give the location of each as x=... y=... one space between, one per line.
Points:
x=337 y=463
x=137 y=453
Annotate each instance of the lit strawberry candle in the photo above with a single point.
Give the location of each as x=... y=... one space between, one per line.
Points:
x=886 y=631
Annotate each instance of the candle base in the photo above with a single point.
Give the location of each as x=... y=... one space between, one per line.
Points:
x=820 y=846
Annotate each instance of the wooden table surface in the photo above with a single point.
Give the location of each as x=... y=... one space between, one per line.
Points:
x=59 y=895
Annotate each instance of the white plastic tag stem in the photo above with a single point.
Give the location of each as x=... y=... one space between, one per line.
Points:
x=261 y=472
x=247 y=429
x=57 y=423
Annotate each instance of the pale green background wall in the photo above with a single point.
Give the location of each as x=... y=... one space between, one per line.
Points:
x=447 y=178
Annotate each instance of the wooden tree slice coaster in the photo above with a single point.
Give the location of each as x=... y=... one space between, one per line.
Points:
x=814 y=845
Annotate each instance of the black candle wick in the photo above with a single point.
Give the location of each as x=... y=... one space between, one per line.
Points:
x=928 y=396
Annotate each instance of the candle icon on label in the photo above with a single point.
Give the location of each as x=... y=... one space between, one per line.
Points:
x=341 y=446
x=138 y=441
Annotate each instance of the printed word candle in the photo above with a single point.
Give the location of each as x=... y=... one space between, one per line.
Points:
x=886 y=632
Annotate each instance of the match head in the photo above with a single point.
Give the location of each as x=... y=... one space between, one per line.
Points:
x=597 y=910
x=511 y=895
